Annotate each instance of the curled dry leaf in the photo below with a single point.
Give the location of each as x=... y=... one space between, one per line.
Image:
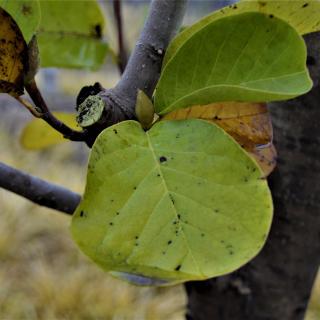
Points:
x=248 y=123
x=12 y=54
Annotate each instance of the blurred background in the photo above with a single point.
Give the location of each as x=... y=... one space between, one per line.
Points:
x=42 y=273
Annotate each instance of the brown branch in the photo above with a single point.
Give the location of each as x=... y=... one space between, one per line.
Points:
x=37 y=190
x=46 y=115
x=122 y=52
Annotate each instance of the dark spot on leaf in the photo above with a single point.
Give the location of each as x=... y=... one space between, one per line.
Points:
x=178 y=136
x=136 y=244
x=136 y=237
x=311 y=61
x=117 y=213
x=235 y=7
x=216 y=210
x=305 y=5
x=216 y=118
x=111 y=200
x=202 y=234
x=135 y=188
x=98 y=31
x=179 y=216
x=163 y=252
x=26 y=10
x=221 y=241
x=271 y=16
x=115 y=131
x=177 y=268
x=262 y=3
x=245 y=179
x=111 y=223
x=169 y=242
x=162 y=159
x=81 y=213
x=158 y=175
x=231 y=252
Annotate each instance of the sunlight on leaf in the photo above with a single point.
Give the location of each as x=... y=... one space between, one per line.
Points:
x=12 y=56
x=26 y=14
x=37 y=134
x=303 y=15
x=70 y=34
x=171 y=204
x=246 y=57
x=248 y=123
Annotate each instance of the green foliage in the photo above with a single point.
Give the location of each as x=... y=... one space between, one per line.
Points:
x=70 y=34
x=26 y=14
x=174 y=203
x=144 y=110
x=303 y=15
x=245 y=57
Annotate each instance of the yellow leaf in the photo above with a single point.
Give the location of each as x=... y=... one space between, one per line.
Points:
x=37 y=134
x=248 y=123
x=13 y=51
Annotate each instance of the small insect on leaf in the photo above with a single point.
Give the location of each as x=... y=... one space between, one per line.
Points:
x=13 y=53
x=248 y=123
x=144 y=110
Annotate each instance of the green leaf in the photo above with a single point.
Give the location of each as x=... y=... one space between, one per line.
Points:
x=179 y=202
x=247 y=57
x=26 y=14
x=38 y=135
x=144 y=110
x=70 y=34
x=303 y=15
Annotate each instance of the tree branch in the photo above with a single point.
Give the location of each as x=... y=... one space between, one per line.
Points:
x=122 y=52
x=144 y=66
x=46 y=115
x=37 y=190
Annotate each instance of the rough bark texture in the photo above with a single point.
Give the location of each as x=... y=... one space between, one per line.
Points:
x=276 y=285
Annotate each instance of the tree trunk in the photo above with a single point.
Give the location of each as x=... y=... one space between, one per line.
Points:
x=276 y=285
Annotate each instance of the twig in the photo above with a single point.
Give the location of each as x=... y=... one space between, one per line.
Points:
x=122 y=52
x=37 y=190
x=46 y=115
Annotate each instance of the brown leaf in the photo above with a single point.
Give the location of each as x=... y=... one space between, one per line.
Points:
x=13 y=50
x=248 y=123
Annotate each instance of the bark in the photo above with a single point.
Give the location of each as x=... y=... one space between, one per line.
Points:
x=276 y=285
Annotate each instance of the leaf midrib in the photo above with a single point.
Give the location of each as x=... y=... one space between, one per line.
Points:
x=168 y=192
